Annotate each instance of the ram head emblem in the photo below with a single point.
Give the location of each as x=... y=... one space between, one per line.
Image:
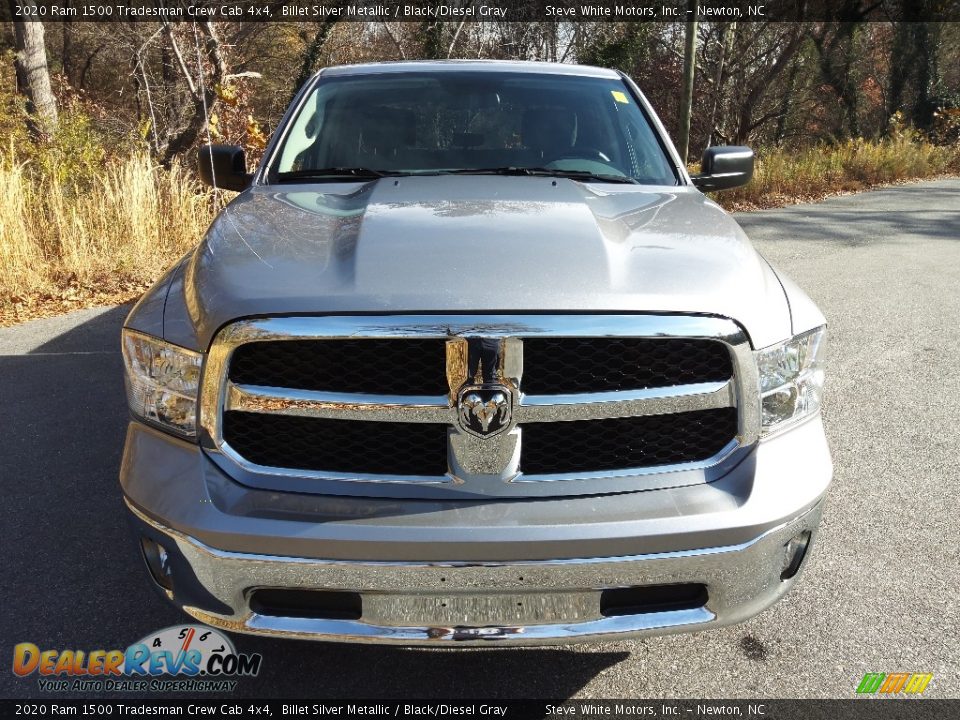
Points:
x=484 y=411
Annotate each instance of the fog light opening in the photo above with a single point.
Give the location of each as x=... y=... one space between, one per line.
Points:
x=313 y=604
x=652 y=599
x=158 y=562
x=796 y=551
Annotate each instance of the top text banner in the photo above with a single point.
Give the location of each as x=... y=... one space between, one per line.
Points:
x=480 y=10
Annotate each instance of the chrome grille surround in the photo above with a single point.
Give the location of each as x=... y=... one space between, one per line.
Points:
x=479 y=466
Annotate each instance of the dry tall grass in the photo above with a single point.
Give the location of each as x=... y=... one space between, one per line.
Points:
x=120 y=227
x=782 y=177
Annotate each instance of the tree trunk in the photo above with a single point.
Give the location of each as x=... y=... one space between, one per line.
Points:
x=760 y=83
x=928 y=80
x=837 y=52
x=689 y=63
x=785 y=105
x=311 y=53
x=726 y=29
x=33 y=77
x=850 y=90
x=66 y=49
x=432 y=42
x=907 y=61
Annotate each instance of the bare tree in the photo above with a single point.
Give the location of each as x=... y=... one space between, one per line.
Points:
x=202 y=88
x=763 y=51
x=689 y=65
x=33 y=76
x=311 y=50
x=432 y=47
x=838 y=54
x=914 y=71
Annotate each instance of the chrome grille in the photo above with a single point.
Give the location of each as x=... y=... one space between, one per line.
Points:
x=354 y=405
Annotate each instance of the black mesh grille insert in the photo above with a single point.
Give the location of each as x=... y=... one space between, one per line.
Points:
x=619 y=443
x=397 y=367
x=576 y=365
x=347 y=446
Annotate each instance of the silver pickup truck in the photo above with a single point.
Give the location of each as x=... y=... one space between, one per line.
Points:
x=471 y=359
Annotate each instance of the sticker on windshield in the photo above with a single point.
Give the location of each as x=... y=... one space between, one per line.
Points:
x=619 y=97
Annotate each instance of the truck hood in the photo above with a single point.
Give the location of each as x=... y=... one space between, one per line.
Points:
x=475 y=244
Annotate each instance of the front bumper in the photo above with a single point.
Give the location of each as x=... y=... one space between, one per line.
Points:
x=517 y=572
x=519 y=603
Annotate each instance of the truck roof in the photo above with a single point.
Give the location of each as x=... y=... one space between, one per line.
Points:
x=506 y=66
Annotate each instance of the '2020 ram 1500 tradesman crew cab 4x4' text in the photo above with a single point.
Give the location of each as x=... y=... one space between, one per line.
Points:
x=471 y=358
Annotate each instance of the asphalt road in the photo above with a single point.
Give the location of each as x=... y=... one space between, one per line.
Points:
x=880 y=593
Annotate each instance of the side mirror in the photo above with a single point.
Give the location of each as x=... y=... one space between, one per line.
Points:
x=225 y=164
x=724 y=167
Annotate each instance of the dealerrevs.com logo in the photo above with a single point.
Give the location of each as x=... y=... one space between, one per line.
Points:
x=189 y=658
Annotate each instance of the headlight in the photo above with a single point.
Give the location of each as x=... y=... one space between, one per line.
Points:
x=162 y=382
x=791 y=379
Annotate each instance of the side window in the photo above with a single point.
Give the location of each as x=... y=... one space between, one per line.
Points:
x=303 y=133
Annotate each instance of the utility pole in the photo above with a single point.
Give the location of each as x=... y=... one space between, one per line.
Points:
x=689 y=62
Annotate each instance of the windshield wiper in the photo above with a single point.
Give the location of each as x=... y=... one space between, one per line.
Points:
x=364 y=173
x=330 y=173
x=544 y=172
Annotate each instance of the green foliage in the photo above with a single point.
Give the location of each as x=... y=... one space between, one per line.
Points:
x=945 y=128
x=625 y=50
x=74 y=154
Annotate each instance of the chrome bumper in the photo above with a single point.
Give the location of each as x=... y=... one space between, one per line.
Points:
x=510 y=603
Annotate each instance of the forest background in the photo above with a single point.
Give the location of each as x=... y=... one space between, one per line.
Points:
x=100 y=122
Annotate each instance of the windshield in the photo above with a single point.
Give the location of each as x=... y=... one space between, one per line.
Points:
x=472 y=121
